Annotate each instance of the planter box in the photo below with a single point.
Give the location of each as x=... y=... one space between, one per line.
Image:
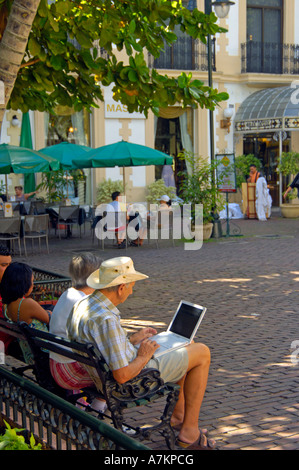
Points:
x=290 y=211
x=207 y=231
x=48 y=302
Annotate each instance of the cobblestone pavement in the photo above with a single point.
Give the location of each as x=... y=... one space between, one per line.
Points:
x=250 y=286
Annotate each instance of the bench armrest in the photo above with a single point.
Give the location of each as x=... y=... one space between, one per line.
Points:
x=147 y=382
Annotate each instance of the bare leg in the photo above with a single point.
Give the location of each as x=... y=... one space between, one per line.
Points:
x=179 y=411
x=194 y=386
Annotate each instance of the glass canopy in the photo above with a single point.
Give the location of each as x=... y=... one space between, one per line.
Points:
x=270 y=109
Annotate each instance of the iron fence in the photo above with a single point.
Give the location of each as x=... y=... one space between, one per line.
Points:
x=185 y=54
x=266 y=57
x=54 y=422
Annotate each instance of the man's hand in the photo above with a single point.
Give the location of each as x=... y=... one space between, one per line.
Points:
x=143 y=334
x=147 y=348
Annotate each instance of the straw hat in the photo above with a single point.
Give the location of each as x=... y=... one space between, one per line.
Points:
x=113 y=272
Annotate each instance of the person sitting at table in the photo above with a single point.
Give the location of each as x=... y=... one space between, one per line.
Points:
x=137 y=227
x=67 y=372
x=20 y=196
x=115 y=223
x=15 y=289
x=165 y=203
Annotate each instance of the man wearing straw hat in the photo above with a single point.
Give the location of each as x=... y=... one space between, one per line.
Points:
x=96 y=319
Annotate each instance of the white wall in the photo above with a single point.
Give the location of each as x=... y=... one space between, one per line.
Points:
x=113 y=127
x=233 y=30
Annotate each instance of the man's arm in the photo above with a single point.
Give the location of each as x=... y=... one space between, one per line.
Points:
x=144 y=354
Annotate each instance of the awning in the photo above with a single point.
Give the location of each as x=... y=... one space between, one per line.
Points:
x=269 y=110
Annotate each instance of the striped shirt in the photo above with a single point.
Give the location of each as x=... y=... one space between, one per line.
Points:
x=96 y=320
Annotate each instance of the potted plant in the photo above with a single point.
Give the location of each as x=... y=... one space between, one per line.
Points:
x=158 y=189
x=106 y=188
x=289 y=167
x=197 y=188
x=242 y=164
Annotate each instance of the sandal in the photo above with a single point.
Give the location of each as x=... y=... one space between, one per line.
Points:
x=202 y=443
x=178 y=427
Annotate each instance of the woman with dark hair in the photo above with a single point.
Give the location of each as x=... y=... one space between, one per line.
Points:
x=15 y=289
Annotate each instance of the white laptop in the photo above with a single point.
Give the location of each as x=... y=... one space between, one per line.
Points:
x=182 y=328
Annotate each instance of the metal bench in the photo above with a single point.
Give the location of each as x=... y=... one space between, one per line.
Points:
x=145 y=388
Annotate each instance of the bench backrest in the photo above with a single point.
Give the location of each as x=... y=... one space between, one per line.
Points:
x=11 y=329
x=84 y=353
x=42 y=342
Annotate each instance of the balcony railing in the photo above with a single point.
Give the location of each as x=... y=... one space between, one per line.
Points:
x=184 y=54
x=266 y=57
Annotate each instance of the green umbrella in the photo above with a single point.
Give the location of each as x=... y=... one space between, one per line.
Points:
x=65 y=152
x=26 y=141
x=122 y=154
x=15 y=159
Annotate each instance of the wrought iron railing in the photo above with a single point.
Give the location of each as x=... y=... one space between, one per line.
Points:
x=185 y=54
x=266 y=57
x=49 y=285
x=54 y=422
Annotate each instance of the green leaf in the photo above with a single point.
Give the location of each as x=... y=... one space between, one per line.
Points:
x=34 y=46
x=57 y=62
x=132 y=26
x=132 y=75
x=196 y=93
x=83 y=39
x=62 y=7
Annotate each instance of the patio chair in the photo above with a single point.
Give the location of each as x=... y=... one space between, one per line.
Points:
x=98 y=229
x=116 y=224
x=10 y=231
x=162 y=226
x=107 y=223
x=68 y=216
x=37 y=208
x=16 y=207
x=36 y=227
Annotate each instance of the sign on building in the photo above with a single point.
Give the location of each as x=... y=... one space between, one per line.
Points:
x=116 y=110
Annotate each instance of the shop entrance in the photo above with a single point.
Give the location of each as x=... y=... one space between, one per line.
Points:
x=266 y=148
x=174 y=133
x=168 y=140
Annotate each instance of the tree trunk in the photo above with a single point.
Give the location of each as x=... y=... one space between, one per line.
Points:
x=13 y=45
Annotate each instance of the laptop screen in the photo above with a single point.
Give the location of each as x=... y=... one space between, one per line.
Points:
x=186 y=319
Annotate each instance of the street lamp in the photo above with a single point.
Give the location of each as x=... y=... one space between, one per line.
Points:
x=222 y=8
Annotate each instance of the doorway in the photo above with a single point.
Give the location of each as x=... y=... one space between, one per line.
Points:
x=168 y=140
x=174 y=134
x=266 y=148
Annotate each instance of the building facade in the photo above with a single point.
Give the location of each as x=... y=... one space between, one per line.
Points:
x=259 y=52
